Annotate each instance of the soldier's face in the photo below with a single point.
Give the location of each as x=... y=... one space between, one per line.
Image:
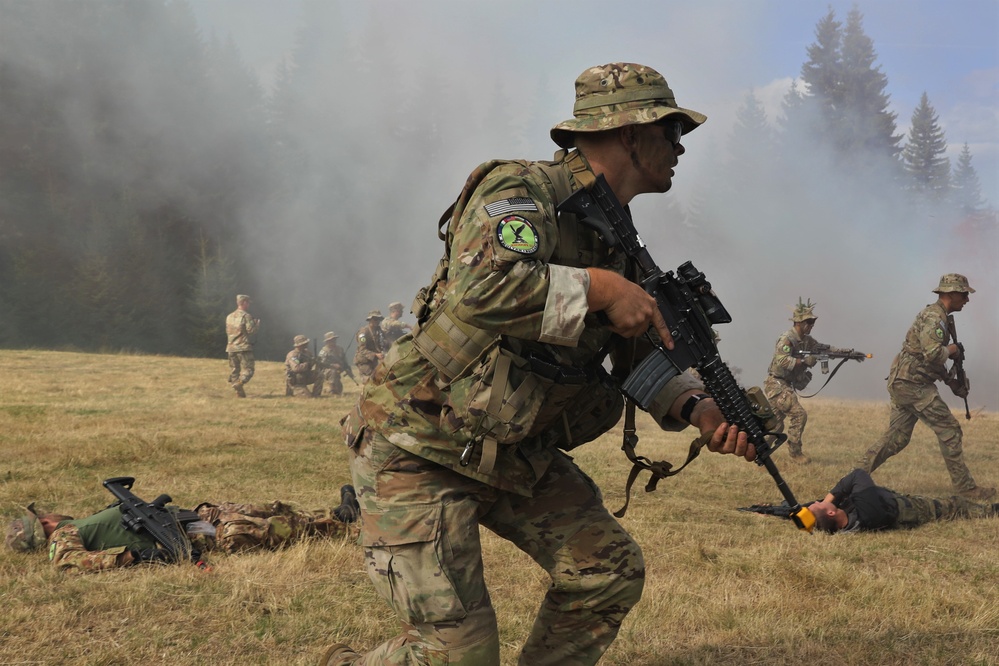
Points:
x=657 y=151
x=956 y=300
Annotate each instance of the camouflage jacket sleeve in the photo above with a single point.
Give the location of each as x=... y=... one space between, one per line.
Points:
x=250 y=325
x=924 y=353
x=368 y=347
x=784 y=363
x=500 y=278
x=67 y=552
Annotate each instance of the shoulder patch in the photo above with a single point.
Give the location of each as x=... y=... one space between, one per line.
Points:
x=518 y=234
x=510 y=205
x=939 y=333
x=786 y=349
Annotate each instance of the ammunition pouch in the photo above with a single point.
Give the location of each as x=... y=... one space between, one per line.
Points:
x=801 y=381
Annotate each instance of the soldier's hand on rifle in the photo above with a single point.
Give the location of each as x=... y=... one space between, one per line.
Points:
x=960 y=389
x=809 y=361
x=724 y=438
x=630 y=309
x=955 y=352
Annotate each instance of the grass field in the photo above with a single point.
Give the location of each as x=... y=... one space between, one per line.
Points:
x=724 y=586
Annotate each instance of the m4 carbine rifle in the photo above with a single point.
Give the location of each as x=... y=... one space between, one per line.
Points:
x=957 y=367
x=822 y=354
x=689 y=307
x=164 y=525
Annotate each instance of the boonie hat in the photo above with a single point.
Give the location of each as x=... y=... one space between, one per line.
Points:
x=25 y=532
x=330 y=336
x=804 y=311
x=619 y=94
x=301 y=340
x=242 y=297
x=374 y=314
x=953 y=282
x=395 y=305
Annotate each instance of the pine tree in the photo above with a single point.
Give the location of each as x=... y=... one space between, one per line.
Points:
x=924 y=155
x=823 y=74
x=870 y=125
x=967 y=189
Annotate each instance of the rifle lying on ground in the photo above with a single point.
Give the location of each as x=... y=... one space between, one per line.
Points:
x=689 y=307
x=957 y=368
x=822 y=354
x=778 y=510
x=165 y=526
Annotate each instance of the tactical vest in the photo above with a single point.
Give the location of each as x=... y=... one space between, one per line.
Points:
x=502 y=390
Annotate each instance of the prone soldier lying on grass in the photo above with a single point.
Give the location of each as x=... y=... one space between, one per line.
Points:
x=103 y=541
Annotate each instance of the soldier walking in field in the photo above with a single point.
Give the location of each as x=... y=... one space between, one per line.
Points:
x=370 y=346
x=240 y=329
x=914 y=396
x=789 y=373
x=300 y=370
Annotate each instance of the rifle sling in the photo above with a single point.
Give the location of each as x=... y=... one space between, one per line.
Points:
x=659 y=469
x=828 y=379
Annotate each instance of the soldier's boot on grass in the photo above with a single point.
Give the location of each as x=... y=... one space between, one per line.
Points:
x=238 y=388
x=796 y=455
x=979 y=494
x=338 y=654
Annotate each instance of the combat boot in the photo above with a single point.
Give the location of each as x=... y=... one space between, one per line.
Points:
x=349 y=510
x=979 y=494
x=797 y=456
x=238 y=388
x=338 y=655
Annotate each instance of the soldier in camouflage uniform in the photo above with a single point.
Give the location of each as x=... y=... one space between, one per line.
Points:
x=463 y=421
x=856 y=504
x=101 y=542
x=914 y=396
x=789 y=374
x=300 y=371
x=370 y=346
x=332 y=362
x=240 y=327
x=394 y=327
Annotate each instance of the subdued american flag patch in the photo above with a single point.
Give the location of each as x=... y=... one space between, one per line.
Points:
x=504 y=206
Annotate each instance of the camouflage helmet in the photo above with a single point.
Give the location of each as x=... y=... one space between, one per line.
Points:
x=330 y=335
x=953 y=282
x=803 y=311
x=25 y=532
x=301 y=340
x=374 y=314
x=242 y=297
x=619 y=94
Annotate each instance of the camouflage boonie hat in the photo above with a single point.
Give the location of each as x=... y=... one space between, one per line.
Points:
x=330 y=336
x=25 y=532
x=242 y=297
x=301 y=340
x=804 y=311
x=953 y=282
x=619 y=94
x=395 y=305
x=374 y=314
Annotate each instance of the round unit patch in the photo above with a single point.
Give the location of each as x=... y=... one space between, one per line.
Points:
x=516 y=233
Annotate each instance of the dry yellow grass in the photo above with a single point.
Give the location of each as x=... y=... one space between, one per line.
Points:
x=724 y=587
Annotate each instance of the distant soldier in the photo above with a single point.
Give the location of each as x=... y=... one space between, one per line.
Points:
x=789 y=374
x=370 y=347
x=300 y=371
x=912 y=387
x=394 y=327
x=240 y=328
x=332 y=363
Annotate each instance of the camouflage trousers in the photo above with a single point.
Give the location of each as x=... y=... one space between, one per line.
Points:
x=240 y=527
x=299 y=390
x=241 y=367
x=784 y=401
x=333 y=380
x=420 y=533
x=915 y=510
x=911 y=402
